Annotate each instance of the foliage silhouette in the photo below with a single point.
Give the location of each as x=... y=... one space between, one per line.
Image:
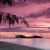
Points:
x=15 y=18
x=9 y=2
x=11 y=19
x=0 y=18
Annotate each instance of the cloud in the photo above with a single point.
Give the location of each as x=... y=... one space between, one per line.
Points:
x=48 y=12
x=40 y=1
x=45 y=12
x=22 y=30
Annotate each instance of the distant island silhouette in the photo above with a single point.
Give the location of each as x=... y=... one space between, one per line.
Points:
x=22 y=36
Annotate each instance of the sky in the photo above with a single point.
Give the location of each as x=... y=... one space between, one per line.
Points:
x=35 y=12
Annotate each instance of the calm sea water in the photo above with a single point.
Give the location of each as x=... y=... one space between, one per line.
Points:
x=35 y=43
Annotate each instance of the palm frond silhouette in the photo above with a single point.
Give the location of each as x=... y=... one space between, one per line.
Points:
x=9 y=2
x=25 y=22
x=15 y=18
x=0 y=18
x=11 y=19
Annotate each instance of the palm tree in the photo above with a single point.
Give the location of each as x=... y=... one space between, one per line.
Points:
x=11 y=19
x=15 y=18
x=0 y=18
x=9 y=2
x=25 y=22
x=22 y=20
x=3 y=2
x=3 y=17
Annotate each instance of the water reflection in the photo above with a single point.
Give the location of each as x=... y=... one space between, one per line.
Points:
x=36 y=43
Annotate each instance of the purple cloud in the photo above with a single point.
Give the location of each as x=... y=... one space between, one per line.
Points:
x=45 y=12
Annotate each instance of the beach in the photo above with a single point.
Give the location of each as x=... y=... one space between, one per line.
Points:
x=9 y=46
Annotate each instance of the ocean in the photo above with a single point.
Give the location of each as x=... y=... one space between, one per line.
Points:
x=35 y=43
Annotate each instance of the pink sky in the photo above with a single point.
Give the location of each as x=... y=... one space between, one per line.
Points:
x=24 y=11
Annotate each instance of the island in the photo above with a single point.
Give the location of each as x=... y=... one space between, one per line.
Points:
x=22 y=36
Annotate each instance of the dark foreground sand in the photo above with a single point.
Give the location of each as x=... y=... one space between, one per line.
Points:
x=8 y=46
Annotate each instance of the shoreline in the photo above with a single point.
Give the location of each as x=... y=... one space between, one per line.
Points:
x=9 y=46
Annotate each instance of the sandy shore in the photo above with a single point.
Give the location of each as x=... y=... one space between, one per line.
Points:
x=8 y=46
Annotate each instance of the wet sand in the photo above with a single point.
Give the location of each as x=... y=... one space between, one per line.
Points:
x=8 y=46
